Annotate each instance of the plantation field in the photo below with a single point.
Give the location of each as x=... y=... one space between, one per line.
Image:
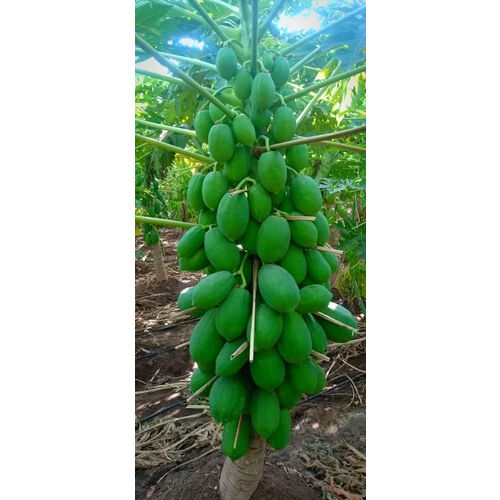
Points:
x=178 y=451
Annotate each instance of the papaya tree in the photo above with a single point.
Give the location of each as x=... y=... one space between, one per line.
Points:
x=262 y=229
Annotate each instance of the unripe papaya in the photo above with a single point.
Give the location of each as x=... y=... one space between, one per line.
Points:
x=221 y=143
x=280 y=438
x=249 y=239
x=306 y=195
x=213 y=289
x=304 y=232
x=323 y=228
x=268 y=327
x=263 y=91
x=242 y=84
x=244 y=130
x=280 y=71
x=284 y=125
x=303 y=376
x=185 y=301
x=205 y=342
x=227 y=96
x=227 y=398
x=318 y=335
x=267 y=61
x=260 y=118
x=297 y=157
x=226 y=62
x=233 y=215
x=207 y=217
x=194 y=192
x=278 y=288
x=317 y=267
x=222 y=253
x=313 y=298
x=273 y=239
x=232 y=315
x=202 y=125
x=238 y=166
x=215 y=113
x=214 y=187
x=334 y=332
x=295 y=344
x=259 y=201
x=295 y=263
x=226 y=366
x=191 y=241
x=229 y=435
x=321 y=378
x=287 y=395
x=264 y=411
x=198 y=380
x=272 y=171
x=267 y=369
x=277 y=198
x=195 y=262
x=332 y=259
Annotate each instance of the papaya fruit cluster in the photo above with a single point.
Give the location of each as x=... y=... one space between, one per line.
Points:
x=251 y=221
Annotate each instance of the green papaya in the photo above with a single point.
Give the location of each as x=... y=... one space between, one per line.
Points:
x=185 y=301
x=205 y=342
x=334 y=332
x=202 y=125
x=278 y=198
x=267 y=369
x=280 y=438
x=259 y=201
x=313 y=298
x=321 y=378
x=226 y=366
x=195 y=262
x=287 y=204
x=268 y=327
x=194 y=192
x=214 y=187
x=198 y=380
x=317 y=267
x=322 y=227
x=287 y=395
x=332 y=259
x=215 y=113
x=221 y=253
x=260 y=118
x=228 y=96
x=221 y=143
x=249 y=239
x=233 y=215
x=226 y=62
x=280 y=71
x=227 y=398
x=207 y=217
x=273 y=239
x=232 y=315
x=303 y=376
x=213 y=289
x=295 y=263
x=271 y=169
x=264 y=411
x=304 y=232
x=284 y=125
x=297 y=157
x=267 y=61
x=229 y=435
x=238 y=166
x=306 y=195
x=318 y=336
x=273 y=140
x=278 y=288
x=263 y=91
x=242 y=84
x=244 y=130
x=295 y=344
x=191 y=241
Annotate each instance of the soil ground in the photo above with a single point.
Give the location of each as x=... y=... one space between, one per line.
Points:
x=178 y=455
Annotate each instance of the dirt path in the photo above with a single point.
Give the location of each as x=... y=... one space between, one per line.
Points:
x=325 y=458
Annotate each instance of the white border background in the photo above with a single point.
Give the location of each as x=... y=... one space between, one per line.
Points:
x=67 y=252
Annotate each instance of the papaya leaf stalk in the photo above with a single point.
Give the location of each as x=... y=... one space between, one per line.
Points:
x=174 y=149
x=275 y=10
x=169 y=128
x=191 y=60
x=154 y=221
x=255 y=26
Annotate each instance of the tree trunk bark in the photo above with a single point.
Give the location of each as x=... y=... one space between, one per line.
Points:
x=239 y=479
x=159 y=265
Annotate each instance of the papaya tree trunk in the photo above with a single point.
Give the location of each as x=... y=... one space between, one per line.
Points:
x=239 y=479
x=159 y=265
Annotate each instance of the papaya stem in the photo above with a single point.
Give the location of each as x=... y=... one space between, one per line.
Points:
x=201 y=389
x=237 y=435
x=330 y=249
x=254 y=297
x=184 y=76
x=241 y=273
x=333 y=320
x=293 y=170
x=304 y=60
x=177 y=130
x=280 y=97
x=266 y=142
x=318 y=355
x=185 y=344
x=239 y=350
x=255 y=27
x=246 y=179
x=140 y=219
x=175 y=149
x=275 y=9
x=204 y=14
x=341 y=145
